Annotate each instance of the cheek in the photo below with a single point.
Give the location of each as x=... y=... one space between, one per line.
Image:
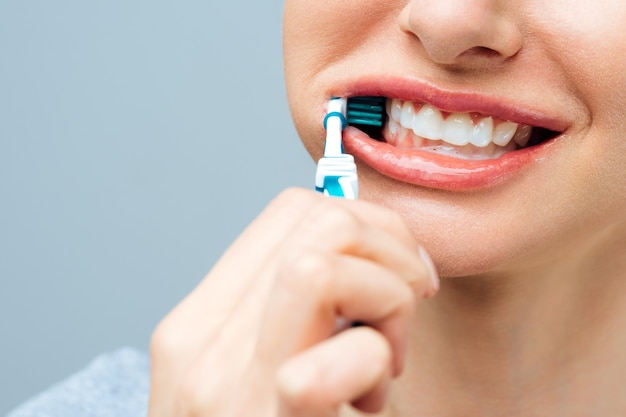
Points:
x=320 y=33
x=588 y=43
x=319 y=37
x=327 y=23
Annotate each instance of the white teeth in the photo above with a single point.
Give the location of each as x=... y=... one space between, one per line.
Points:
x=427 y=122
x=483 y=136
x=457 y=129
x=482 y=132
x=503 y=133
x=407 y=115
x=395 y=109
x=393 y=127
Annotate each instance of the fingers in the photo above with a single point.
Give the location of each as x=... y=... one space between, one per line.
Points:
x=312 y=291
x=275 y=297
x=346 y=234
x=366 y=231
x=296 y=220
x=320 y=379
x=340 y=265
x=238 y=274
x=237 y=271
x=303 y=220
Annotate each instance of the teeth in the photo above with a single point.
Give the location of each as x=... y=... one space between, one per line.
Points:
x=407 y=114
x=393 y=127
x=482 y=132
x=503 y=133
x=394 y=109
x=426 y=123
x=457 y=129
x=523 y=135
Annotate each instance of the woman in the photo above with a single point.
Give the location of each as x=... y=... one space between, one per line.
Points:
x=528 y=237
x=517 y=197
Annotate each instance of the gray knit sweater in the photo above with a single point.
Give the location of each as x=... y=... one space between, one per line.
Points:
x=112 y=385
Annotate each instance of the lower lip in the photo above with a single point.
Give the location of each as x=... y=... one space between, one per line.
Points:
x=431 y=170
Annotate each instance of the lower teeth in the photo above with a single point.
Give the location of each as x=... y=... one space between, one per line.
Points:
x=403 y=138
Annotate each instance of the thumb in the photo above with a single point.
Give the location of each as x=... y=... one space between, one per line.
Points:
x=353 y=367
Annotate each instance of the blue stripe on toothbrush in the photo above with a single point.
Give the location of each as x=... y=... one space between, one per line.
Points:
x=331 y=186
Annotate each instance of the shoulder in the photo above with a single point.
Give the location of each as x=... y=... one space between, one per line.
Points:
x=113 y=384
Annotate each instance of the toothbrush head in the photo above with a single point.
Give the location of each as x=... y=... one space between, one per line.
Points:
x=366 y=111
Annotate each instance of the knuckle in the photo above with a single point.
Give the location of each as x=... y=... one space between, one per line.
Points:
x=406 y=302
x=165 y=342
x=422 y=281
x=192 y=401
x=206 y=388
x=400 y=307
x=340 y=219
x=335 y=222
x=305 y=273
x=419 y=288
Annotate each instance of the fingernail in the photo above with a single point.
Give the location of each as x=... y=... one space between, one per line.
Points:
x=295 y=378
x=434 y=277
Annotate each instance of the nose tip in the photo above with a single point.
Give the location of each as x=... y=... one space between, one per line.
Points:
x=470 y=32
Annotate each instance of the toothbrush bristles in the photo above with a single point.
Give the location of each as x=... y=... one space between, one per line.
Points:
x=367 y=114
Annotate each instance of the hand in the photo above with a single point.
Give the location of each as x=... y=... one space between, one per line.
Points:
x=261 y=335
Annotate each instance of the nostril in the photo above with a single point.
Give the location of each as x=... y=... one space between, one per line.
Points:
x=480 y=51
x=465 y=34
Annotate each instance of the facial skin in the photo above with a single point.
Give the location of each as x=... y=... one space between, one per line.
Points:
x=529 y=314
x=558 y=59
x=529 y=317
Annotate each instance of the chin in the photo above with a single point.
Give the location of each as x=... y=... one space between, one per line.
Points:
x=462 y=239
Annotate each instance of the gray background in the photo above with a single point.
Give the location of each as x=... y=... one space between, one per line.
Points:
x=137 y=139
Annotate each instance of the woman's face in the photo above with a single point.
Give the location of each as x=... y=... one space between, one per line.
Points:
x=486 y=71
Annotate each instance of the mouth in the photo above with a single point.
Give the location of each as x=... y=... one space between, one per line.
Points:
x=416 y=126
x=447 y=144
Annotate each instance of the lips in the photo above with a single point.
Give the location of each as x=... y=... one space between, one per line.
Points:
x=452 y=140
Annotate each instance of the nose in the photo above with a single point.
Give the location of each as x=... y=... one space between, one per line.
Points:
x=463 y=32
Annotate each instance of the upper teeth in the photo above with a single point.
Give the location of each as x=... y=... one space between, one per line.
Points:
x=457 y=129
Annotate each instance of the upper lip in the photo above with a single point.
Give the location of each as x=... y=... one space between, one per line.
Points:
x=457 y=101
